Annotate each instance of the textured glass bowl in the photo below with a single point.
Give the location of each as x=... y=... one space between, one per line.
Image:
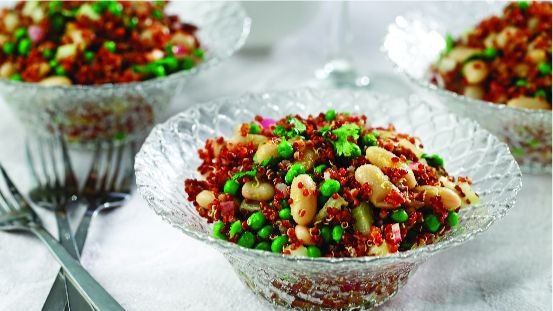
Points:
x=88 y=113
x=415 y=40
x=169 y=156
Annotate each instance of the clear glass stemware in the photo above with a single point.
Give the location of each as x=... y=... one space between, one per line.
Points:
x=339 y=70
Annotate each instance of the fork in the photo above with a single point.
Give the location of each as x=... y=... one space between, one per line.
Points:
x=103 y=189
x=54 y=194
x=16 y=214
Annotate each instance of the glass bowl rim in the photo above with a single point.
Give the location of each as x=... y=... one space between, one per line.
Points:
x=202 y=66
x=483 y=104
x=423 y=251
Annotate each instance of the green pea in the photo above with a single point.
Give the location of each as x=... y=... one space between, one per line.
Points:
x=20 y=33
x=54 y=6
x=8 y=48
x=278 y=244
x=115 y=8
x=400 y=215
x=285 y=213
x=285 y=149
x=247 y=240
x=157 y=14
x=254 y=128
x=265 y=232
x=53 y=63
x=326 y=234
x=235 y=228
x=47 y=54
x=88 y=56
x=24 y=46
x=199 y=53
x=319 y=169
x=256 y=220
x=521 y=83
x=330 y=115
x=187 y=63
x=217 y=227
x=523 y=5
x=110 y=46
x=433 y=160
x=313 y=251
x=337 y=233
x=369 y=140
x=158 y=71
x=544 y=68
x=231 y=187
x=295 y=170
x=452 y=219
x=171 y=63
x=432 y=223
x=264 y=246
x=490 y=53
x=329 y=187
x=59 y=71
x=16 y=77
x=133 y=22
x=284 y=203
x=540 y=93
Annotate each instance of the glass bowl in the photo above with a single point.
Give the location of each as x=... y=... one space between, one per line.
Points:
x=415 y=40
x=169 y=156
x=127 y=111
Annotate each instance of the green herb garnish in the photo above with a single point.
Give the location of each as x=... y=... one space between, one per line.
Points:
x=342 y=145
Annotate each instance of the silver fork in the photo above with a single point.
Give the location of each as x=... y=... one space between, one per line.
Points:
x=16 y=214
x=104 y=188
x=55 y=194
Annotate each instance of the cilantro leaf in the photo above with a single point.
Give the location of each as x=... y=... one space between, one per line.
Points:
x=297 y=129
x=251 y=173
x=342 y=145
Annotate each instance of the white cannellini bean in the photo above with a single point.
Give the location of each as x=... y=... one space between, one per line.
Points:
x=204 y=198
x=258 y=191
x=505 y=35
x=474 y=91
x=256 y=139
x=446 y=65
x=303 y=207
x=529 y=103
x=450 y=199
x=183 y=39
x=299 y=251
x=308 y=159
x=475 y=71
x=380 y=184
x=303 y=234
x=490 y=40
x=536 y=55
x=7 y=70
x=10 y=22
x=383 y=158
x=460 y=54
x=266 y=151
x=55 y=80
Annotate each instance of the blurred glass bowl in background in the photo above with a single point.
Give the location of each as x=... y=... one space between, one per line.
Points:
x=169 y=156
x=415 y=40
x=126 y=111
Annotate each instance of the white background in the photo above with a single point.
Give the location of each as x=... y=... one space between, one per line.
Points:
x=148 y=265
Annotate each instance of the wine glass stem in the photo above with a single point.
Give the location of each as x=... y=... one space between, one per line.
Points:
x=338 y=70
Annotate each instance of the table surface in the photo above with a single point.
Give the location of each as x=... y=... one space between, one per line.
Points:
x=148 y=265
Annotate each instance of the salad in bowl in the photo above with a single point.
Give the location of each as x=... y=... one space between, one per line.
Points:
x=315 y=199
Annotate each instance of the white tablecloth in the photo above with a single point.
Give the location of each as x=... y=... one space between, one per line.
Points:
x=148 y=265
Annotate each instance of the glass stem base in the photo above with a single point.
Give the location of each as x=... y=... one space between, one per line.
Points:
x=340 y=73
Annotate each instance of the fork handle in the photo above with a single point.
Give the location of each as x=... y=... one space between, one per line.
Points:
x=87 y=286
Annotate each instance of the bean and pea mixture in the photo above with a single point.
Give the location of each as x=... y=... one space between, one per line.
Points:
x=326 y=185
x=94 y=42
x=504 y=59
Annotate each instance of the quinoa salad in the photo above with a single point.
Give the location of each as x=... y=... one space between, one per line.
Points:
x=94 y=42
x=504 y=59
x=328 y=185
